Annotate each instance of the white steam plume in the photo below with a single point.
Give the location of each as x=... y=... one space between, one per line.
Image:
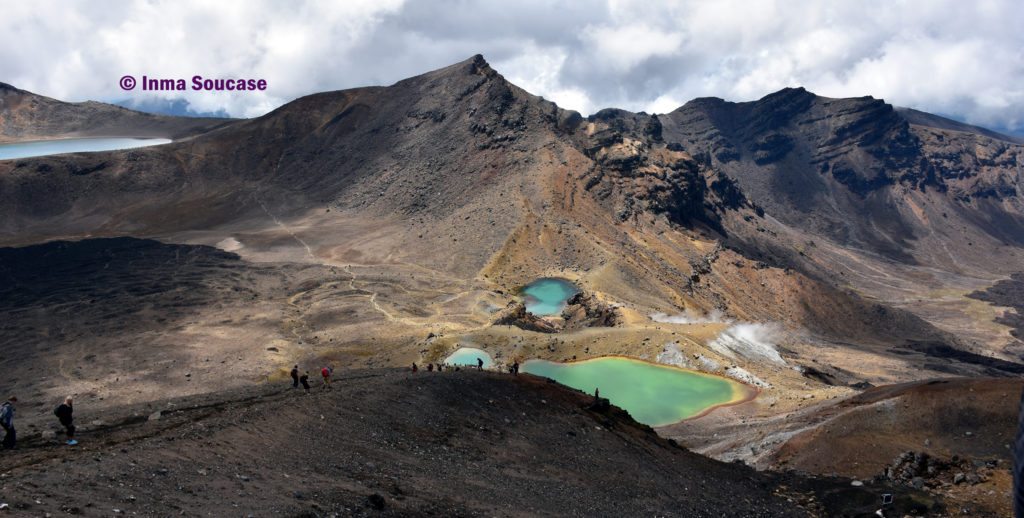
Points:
x=713 y=317
x=752 y=341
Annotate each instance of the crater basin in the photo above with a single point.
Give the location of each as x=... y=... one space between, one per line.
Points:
x=547 y=296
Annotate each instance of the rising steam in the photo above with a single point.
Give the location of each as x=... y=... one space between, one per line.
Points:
x=713 y=317
x=752 y=341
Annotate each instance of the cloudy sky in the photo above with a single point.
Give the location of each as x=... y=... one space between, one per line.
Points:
x=960 y=58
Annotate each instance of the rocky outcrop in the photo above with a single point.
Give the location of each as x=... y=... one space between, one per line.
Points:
x=515 y=314
x=587 y=310
x=635 y=173
x=920 y=470
x=582 y=310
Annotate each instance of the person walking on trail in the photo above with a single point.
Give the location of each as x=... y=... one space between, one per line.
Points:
x=295 y=376
x=479 y=364
x=7 y=423
x=515 y=368
x=304 y=380
x=430 y=367
x=64 y=414
x=415 y=368
x=326 y=373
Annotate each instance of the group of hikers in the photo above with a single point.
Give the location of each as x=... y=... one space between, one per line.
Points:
x=325 y=372
x=302 y=378
x=64 y=412
x=512 y=369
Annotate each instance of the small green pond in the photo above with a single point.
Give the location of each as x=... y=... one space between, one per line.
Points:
x=468 y=356
x=547 y=296
x=653 y=394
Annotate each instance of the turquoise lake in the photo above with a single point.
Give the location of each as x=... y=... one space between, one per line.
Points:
x=547 y=296
x=73 y=145
x=653 y=394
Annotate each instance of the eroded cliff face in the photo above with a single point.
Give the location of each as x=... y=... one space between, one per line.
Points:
x=843 y=168
x=637 y=174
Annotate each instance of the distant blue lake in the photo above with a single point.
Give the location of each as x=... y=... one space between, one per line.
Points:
x=547 y=296
x=73 y=145
x=468 y=356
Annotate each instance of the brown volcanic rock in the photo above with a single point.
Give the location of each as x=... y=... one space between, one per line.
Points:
x=516 y=315
x=581 y=311
x=972 y=418
x=801 y=157
x=587 y=310
x=459 y=172
x=951 y=425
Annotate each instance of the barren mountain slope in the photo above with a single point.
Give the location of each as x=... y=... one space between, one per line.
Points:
x=388 y=225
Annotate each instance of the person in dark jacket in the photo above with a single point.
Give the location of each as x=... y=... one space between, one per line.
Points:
x=7 y=423
x=304 y=379
x=64 y=414
x=295 y=376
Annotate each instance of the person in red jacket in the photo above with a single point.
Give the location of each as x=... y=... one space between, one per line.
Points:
x=326 y=372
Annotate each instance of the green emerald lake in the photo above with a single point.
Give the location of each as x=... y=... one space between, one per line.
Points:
x=547 y=296
x=653 y=394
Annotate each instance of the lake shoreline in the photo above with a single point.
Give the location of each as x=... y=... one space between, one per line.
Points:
x=741 y=392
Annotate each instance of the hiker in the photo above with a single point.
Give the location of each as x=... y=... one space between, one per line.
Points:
x=304 y=379
x=479 y=364
x=326 y=373
x=430 y=367
x=515 y=368
x=295 y=377
x=415 y=368
x=64 y=415
x=7 y=423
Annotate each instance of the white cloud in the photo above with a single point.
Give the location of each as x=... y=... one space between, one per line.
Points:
x=958 y=58
x=625 y=47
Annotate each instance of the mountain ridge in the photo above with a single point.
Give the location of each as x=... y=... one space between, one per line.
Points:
x=461 y=144
x=381 y=226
